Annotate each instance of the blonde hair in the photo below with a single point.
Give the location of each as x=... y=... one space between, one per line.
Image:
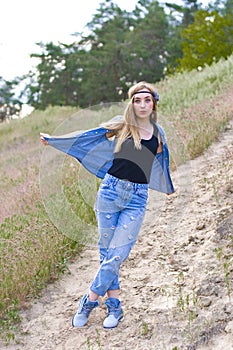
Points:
x=128 y=126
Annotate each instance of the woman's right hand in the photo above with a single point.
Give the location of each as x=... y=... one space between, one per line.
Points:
x=43 y=140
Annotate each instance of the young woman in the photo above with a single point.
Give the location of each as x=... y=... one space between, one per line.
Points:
x=135 y=157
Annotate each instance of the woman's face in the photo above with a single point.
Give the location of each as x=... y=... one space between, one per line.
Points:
x=143 y=104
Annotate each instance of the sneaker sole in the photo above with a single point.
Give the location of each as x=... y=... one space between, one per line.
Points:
x=77 y=326
x=120 y=320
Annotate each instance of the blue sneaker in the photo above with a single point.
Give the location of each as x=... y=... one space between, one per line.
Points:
x=85 y=307
x=115 y=313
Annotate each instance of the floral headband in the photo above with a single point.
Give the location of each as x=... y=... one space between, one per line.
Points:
x=154 y=94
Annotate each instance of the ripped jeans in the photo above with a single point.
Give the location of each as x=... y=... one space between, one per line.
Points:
x=120 y=208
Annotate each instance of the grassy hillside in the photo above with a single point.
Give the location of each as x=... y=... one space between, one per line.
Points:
x=194 y=108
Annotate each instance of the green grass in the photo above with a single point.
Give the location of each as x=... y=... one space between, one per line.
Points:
x=193 y=110
x=33 y=253
x=194 y=107
x=185 y=90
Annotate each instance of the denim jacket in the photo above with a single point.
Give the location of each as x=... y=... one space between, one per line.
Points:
x=96 y=152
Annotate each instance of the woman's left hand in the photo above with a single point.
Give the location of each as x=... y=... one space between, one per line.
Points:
x=43 y=140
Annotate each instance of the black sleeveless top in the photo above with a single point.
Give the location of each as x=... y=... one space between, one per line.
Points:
x=132 y=164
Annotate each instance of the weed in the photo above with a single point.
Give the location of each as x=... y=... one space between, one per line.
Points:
x=226 y=267
x=225 y=260
x=8 y=323
x=181 y=302
x=91 y=346
x=145 y=328
x=187 y=304
x=98 y=339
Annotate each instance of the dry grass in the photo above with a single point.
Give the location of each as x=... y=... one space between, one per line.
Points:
x=33 y=251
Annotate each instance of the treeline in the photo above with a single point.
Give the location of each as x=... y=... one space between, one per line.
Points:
x=151 y=42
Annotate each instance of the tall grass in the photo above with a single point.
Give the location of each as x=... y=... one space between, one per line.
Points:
x=185 y=90
x=194 y=106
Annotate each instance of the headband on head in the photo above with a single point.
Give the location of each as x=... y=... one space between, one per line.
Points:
x=154 y=94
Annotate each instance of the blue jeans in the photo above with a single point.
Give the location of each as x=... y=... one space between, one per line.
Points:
x=120 y=208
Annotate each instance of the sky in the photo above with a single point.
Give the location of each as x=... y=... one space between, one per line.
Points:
x=25 y=22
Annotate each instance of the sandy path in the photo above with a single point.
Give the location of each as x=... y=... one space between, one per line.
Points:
x=175 y=293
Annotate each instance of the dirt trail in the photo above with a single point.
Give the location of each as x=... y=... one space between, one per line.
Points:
x=176 y=285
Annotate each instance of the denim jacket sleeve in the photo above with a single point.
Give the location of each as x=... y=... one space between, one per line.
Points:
x=160 y=179
x=96 y=152
x=91 y=148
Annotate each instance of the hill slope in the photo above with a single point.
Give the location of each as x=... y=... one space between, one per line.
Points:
x=177 y=283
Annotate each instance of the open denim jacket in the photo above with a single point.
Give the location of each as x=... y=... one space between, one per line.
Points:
x=96 y=152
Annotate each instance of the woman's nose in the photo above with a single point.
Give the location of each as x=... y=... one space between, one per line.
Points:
x=142 y=103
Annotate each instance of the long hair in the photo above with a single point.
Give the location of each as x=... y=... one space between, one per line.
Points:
x=128 y=126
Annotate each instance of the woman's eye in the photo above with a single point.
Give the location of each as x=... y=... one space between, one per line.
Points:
x=147 y=100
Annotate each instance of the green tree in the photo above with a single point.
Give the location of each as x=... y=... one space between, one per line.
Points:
x=186 y=11
x=124 y=47
x=56 y=80
x=207 y=40
x=229 y=7
x=105 y=62
x=147 y=43
x=223 y=7
x=7 y=93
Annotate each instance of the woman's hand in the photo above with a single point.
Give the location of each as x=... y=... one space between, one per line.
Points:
x=43 y=140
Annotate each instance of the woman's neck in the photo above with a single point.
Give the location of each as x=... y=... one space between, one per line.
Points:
x=143 y=122
x=146 y=129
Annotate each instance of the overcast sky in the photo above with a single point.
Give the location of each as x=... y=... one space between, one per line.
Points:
x=25 y=22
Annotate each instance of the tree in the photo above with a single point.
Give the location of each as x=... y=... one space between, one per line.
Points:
x=9 y=104
x=186 y=11
x=207 y=40
x=124 y=47
x=229 y=8
x=105 y=62
x=56 y=79
x=147 y=43
x=7 y=94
